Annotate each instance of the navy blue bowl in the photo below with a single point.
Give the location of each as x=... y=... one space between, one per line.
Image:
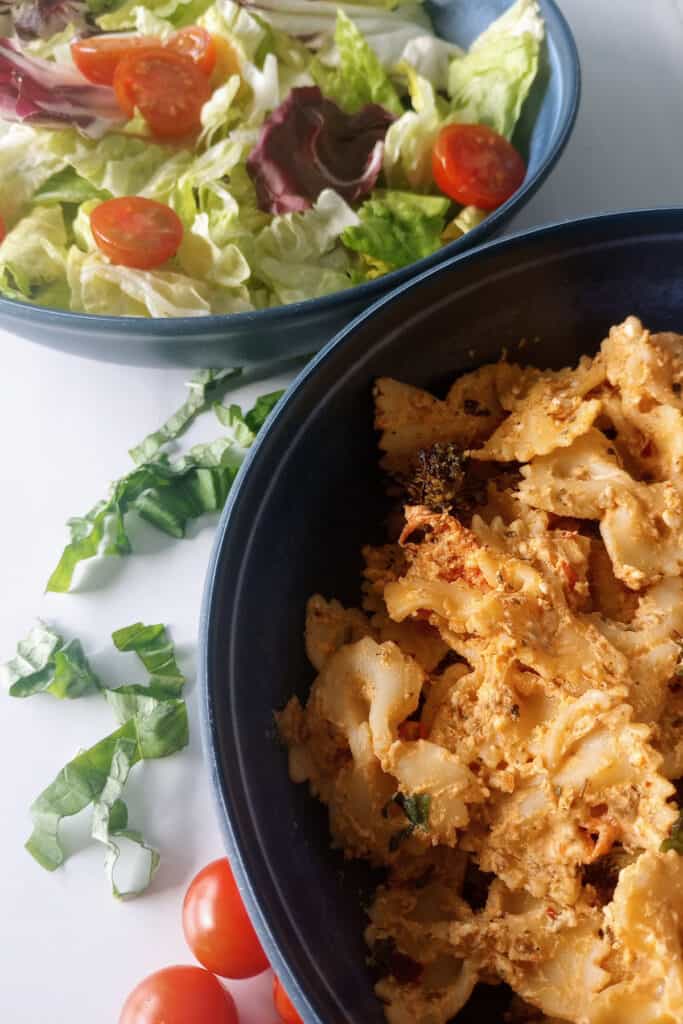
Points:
x=303 y=327
x=310 y=495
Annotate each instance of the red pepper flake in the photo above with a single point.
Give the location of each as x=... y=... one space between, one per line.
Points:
x=552 y=913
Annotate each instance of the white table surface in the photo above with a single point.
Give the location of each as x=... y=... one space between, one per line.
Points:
x=70 y=953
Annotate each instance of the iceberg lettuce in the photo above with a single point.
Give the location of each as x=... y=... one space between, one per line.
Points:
x=409 y=140
x=490 y=83
x=34 y=253
x=298 y=256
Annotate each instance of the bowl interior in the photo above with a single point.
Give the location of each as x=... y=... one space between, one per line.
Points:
x=302 y=328
x=311 y=495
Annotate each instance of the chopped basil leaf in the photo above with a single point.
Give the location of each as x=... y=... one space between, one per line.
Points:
x=155 y=651
x=45 y=664
x=153 y=723
x=166 y=492
x=204 y=386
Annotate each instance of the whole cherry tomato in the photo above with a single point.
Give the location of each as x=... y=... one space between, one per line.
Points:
x=217 y=926
x=179 y=995
x=283 y=1004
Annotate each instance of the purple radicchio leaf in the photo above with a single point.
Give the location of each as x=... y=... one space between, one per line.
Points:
x=309 y=144
x=40 y=19
x=43 y=93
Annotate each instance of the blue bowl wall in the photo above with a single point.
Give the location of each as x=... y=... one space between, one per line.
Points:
x=311 y=495
x=302 y=328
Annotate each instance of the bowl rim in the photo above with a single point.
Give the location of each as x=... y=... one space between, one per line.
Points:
x=557 y=30
x=220 y=549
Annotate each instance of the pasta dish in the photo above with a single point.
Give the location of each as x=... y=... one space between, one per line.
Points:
x=500 y=725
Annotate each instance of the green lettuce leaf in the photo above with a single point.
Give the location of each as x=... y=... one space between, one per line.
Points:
x=110 y=822
x=55 y=47
x=390 y=32
x=202 y=259
x=26 y=163
x=467 y=218
x=298 y=255
x=220 y=112
x=44 y=663
x=100 y=287
x=155 y=650
x=409 y=141
x=204 y=387
x=490 y=83
x=360 y=77
x=398 y=228
x=67 y=186
x=235 y=23
x=178 y=12
x=33 y=253
x=122 y=165
x=166 y=492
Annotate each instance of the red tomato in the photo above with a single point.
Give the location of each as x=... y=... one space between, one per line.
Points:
x=283 y=1004
x=179 y=995
x=476 y=166
x=197 y=44
x=217 y=926
x=97 y=58
x=168 y=89
x=136 y=232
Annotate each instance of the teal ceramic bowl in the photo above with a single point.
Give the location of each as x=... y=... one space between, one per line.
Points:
x=272 y=335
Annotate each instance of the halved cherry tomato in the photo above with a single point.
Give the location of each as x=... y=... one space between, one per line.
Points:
x=179 y=995
x=97 y=58
x=136 y=232
x=283 y=1004
x=197 y=44
x=476 y=166
x=217 y=926
x=168 y=89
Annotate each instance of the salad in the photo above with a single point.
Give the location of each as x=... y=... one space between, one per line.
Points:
x=187 y=157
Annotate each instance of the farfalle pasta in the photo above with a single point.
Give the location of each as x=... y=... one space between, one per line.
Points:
x=500 y=724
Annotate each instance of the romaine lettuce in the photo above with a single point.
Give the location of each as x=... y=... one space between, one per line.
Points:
x=397 y=228
x=359 y=78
